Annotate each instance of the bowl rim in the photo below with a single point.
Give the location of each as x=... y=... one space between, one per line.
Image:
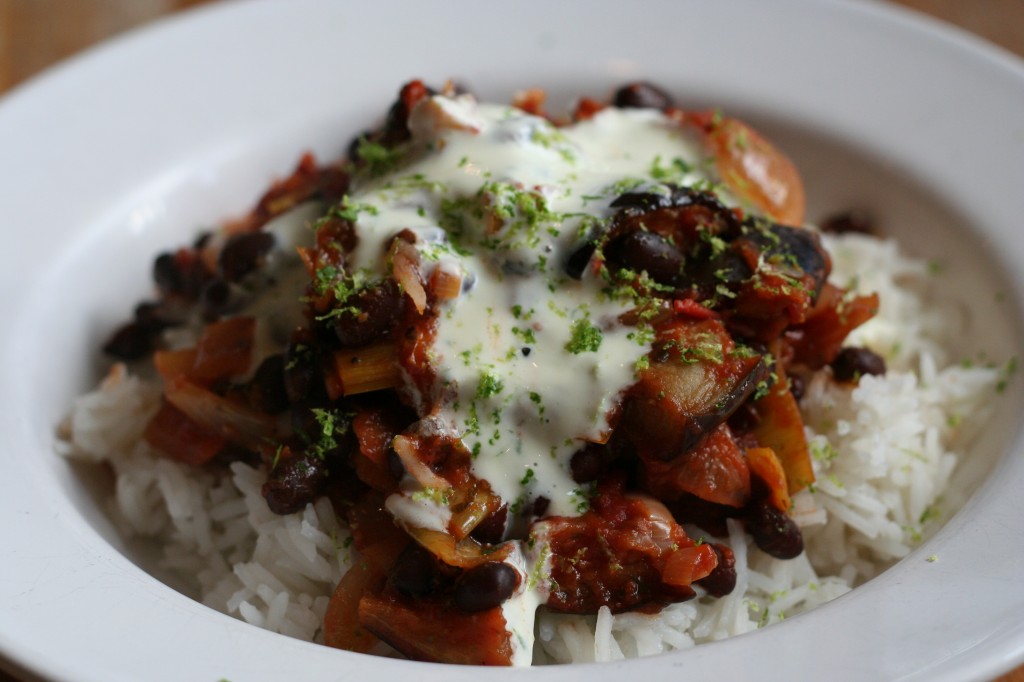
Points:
x=27 y=111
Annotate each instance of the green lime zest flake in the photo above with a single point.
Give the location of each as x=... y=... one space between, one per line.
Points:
x=490 y=384
x=526 y=334
x=538 y=575
x=349 y=210
x=379 y=159
x=913 y=533
x=333 y=423
x=277 y=456
x=536 y=399
x=674 y=171
x=930 y=513
x=581 y=497
x=823 y=451
x=643 y=363
x=585 y=338
x=436 y=495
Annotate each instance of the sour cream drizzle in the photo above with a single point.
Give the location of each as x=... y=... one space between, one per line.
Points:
x=532 y=361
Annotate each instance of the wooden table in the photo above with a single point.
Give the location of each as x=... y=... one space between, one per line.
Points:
x=31 y=40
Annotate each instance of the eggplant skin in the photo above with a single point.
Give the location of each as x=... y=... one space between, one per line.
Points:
x=675 y=405
x=800 y=247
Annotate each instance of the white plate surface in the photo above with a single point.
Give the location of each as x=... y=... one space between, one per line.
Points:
x=134 y=146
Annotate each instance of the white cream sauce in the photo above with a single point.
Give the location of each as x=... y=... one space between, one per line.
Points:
x=419 y=507
x=281 y=282
x=533 y=563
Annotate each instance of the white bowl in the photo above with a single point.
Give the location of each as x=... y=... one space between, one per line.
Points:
x=133 y=146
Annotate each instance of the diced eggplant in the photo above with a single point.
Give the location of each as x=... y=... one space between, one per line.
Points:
x=672 y=197
x=342 y=629
x=715 y=471
x=795 y=251
x=679 y=215
x=695 y=380
x=764 y=281
x=818 y=340
x=436 y=631
x=626 y=550
x=761 y=275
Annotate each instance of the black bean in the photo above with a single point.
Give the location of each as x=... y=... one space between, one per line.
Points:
x=371 y=314
x=294 y=483
x=849 y=221
x=647 y=251
x=131 y=342
x=722 y=580
x=301 y=375
x=492 y=529
x=166 y=274
x=641 y=95
x=486 y=586
x=540 y=505
x=589 y=464
x=415 y=572
x=774 y=532
x=214 y=298
x=853 y=363
x=243 y=253
x=266 y=390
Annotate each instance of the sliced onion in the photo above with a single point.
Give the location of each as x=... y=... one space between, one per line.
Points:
x=465 y=553
x=232 y=420
x=406 y=449
x=405 y=269
x=688 y=564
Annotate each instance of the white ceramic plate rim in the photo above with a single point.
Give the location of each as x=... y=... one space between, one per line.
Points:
x=84 y=143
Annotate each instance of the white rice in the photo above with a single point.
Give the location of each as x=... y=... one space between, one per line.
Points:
x=883 y=455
